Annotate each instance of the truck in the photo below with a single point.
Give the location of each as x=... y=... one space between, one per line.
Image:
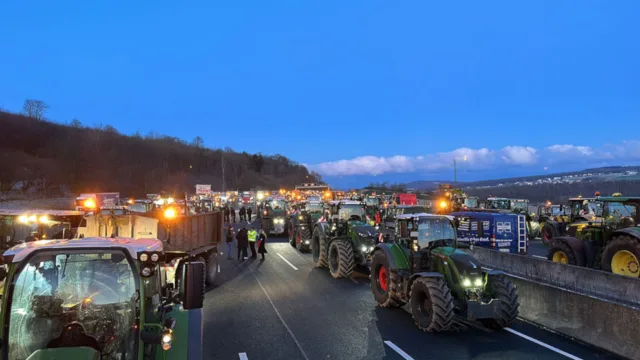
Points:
x=92 y=202
x=495 y=231
x=101 y=298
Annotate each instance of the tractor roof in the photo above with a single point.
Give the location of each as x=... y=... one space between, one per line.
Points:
x=619 y=198
x=498 y=198
x=422 y=215
x=133 y=246
x=345 y=202
x=580 y=198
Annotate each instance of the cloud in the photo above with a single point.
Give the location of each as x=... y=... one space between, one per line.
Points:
x=483 y=158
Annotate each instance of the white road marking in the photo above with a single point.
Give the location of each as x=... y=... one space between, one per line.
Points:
x=540 y=257
x=304 y=355
x=218 y=268
x=354 y=280
x=542 y=344
x=398 y=350
x=287 y=261
x=243 y=356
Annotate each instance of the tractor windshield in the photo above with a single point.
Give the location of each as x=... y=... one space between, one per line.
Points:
x=621 y=214
x=471 y=202
x=520 y=205
x=371 y=201
x=499 y=204
x=351 y=212
x=276 y=204
x=432 y=229
x=314 y=207
x=74 y=299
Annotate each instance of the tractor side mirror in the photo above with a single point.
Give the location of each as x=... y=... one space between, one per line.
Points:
x=192 y=285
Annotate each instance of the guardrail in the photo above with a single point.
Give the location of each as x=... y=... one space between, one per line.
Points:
x=592 y=306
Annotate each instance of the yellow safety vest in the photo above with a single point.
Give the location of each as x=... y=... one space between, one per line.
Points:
x=252 y=235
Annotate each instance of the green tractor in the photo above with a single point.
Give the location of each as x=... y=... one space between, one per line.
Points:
x=372 y=206
x=611 y=242
x=100 y=298
x=304 y=215
x=342 y=239
x=423 y=267
x=579 y=213
x=273 y=219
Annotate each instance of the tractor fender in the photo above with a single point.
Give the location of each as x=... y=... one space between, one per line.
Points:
x=494 y=272
x=387 y=253
x=634 y=232
x=576 y=245
x=323 y=226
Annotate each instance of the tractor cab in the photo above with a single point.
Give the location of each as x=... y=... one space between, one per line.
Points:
x=422 y=231
x=100 y=298
x=494 y=203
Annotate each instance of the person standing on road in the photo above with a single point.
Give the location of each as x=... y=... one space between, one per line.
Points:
x=233 y=214
x=262 y=238
x=226 y=213
x=230 y=236
x=243 y=242
x=249 y=214
x=243 y=213
x=253 y=235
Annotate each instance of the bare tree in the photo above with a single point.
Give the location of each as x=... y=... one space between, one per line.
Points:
x=35 y=108
x=197 y=142
x=76 y=123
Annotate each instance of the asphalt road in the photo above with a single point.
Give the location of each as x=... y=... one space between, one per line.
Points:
x=284 y=308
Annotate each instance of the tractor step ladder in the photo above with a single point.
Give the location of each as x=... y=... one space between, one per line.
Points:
x=522 y=234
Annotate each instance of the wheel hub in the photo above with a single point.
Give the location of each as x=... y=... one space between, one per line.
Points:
x=382 y=278
x=560 y=257
x=625 y=263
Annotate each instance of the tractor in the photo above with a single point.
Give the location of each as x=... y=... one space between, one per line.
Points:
x=101 y=298
x=581 y=211
x=423 y=267
x=304 y=215
x=273 y=219
x=342 y=239
x=610 y=242
x=372 y=207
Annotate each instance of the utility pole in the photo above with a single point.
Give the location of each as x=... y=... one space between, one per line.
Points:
x=455 y=172
x=223 y=172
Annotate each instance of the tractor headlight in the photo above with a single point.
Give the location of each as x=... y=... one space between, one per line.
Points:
x=144 y=257
x=364 y=248
x=306 y=242
x=165 y=341
x=466 y=282
x=300 y=217
x=478 y=282
x=155 y=257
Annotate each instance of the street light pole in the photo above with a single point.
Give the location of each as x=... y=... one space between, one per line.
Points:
x=455 y=172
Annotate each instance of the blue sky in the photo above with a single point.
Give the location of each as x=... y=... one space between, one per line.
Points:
x=350 y=88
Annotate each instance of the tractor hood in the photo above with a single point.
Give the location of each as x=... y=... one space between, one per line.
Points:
x=465 y=263
x=276 y=212
x=75 y=353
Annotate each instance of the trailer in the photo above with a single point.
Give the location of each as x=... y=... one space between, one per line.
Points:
x=495 y=231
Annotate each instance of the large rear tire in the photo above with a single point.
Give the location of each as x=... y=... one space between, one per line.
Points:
x=341 y=259
x=380 y=284
x=621 y=256
x=561 y=253
x=502 y=289
x=292 y=233
x=212 y=267
x=431 y=304
x=302 y=235
x=318 y=249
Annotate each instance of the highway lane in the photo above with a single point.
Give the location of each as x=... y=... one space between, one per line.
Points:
x=280 y=309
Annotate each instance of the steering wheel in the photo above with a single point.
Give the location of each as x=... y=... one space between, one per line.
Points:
x=74 y=335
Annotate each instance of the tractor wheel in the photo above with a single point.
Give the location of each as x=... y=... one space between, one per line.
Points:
x=431 y=304
x=561 y=253
x=317 y=249
x=380 y=283
x=502 y=289
x=547 y=233
x=341 y=259
x=292 y=234
x=621 y=256
x=301 y=235
x=212 y=267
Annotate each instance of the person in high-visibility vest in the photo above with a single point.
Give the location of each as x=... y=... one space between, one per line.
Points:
x=253 y=236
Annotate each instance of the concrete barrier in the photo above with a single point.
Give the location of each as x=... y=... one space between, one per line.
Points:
x=592 y=306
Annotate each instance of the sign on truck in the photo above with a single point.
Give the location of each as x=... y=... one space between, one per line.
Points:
x=203 y=189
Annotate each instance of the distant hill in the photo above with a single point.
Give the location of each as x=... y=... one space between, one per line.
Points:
x=429 y=184
x=50 y=157
x=556 y=187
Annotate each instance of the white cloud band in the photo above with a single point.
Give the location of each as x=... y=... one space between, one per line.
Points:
x=627 y=151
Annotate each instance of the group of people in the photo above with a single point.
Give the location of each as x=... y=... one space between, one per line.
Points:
x=230 y=213
x=246 y=238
